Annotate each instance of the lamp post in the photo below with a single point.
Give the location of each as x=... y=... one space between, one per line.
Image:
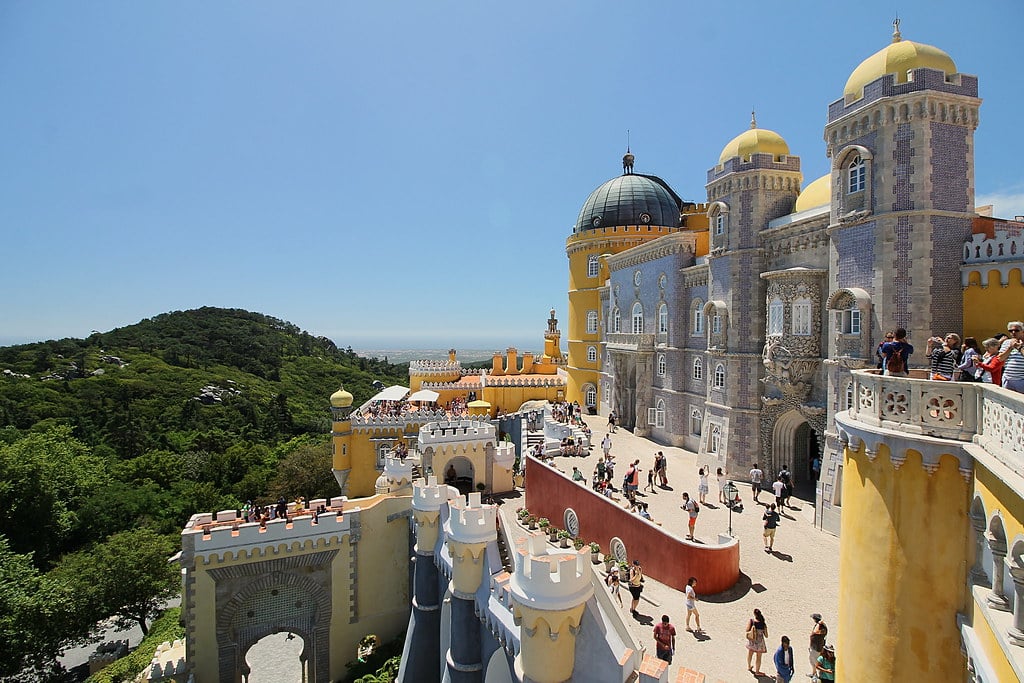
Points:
x=730 y=492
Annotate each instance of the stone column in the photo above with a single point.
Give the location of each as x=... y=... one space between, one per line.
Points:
x=997 y=596
x=470 y=528
x=549 y=594
x=978 y=575
x=423 y=649
x=1016 y=632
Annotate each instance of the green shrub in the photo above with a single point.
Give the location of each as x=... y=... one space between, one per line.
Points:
x=164 y=628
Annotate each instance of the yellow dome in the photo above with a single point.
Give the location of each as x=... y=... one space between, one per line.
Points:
x=897 y=58
x=817 y=193
x=754 y=141
x=341 y=399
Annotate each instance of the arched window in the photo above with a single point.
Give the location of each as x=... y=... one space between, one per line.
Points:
x=716 y=324
x=776 y=310
x=592 y=354
x=592 y=266
x=591 y=322
x=802 y=317
x=720 y=224
x=616 y=321
x=656 y=415
x=383 y=448
x=638 y=318
x=697 y=328
x=715 y=442
x=695 y=421
x=589 y=395
x=698 y=368
x=662 y=365
x=856 y=172
x=663 y=319
x=719 y=376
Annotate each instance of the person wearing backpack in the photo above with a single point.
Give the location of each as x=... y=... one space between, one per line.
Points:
x=896 y=355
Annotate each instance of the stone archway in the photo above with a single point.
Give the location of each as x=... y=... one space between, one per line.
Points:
x=795 y=443
x=464 y=473
x=260 y=599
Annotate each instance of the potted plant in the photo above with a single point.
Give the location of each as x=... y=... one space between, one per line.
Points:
x=531 y=522
x=563 y=538
x=544 y=523
x=481 y=487
x=595 y=553
x=609 y=561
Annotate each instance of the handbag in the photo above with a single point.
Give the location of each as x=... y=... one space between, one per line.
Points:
x=752 y=633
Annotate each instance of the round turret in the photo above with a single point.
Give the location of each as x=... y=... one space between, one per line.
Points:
x=341 y=398
x=897 y=58
x=754 y=141
x=817 y=193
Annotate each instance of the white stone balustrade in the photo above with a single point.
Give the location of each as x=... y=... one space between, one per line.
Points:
x=990 y=416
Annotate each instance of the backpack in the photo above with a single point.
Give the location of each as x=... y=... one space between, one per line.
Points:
x=696 y=508
x=895 y=363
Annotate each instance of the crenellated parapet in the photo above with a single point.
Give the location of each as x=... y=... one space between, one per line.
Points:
x=520 y=381
x=211 y=541
x=460 y=385
x=549 y=594
x=361 y=423
x=471 y=526
x=449 y=431
x=427 y=499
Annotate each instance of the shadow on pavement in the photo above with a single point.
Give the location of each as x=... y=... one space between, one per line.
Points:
x=742 y=586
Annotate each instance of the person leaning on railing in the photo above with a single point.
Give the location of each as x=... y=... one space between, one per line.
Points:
x=1012 y=358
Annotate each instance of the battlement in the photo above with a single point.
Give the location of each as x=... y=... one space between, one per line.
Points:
x=454 y=385
x=472 y=522
x=505 y=454
x=428 y=366
x=1006 y=245
x=528 y=381
x=428 y=495
x=550 y=581
x=456 y=430
x=361 y=422
x=205 y=535
x=397 y=470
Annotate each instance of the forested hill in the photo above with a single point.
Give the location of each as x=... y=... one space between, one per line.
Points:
x=127 y=388
x=108 y=444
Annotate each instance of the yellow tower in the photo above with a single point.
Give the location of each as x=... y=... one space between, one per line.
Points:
x=622 y=213
x=549 y=593
x=341 y=437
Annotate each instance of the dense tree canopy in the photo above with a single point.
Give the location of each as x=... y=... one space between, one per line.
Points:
x=108 y=444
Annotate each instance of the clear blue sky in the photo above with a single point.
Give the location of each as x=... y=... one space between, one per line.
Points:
x=402 y=173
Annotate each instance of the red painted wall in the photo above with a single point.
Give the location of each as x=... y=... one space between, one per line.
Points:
x=665 y=557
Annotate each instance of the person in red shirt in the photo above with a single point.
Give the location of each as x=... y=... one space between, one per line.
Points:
x=665 y=639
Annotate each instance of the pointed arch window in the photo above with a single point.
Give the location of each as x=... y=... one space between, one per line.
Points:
x=715 y=442
x=590 y=395
x=698 y=368
x=696 y=420
x=719 y=381
x=802 y=318
x=697 y=324
x=656 y=415
x=663 y=319
x=638 y=318
x=662 y=365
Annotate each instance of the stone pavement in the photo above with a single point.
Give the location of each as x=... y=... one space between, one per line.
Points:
x=799 y=578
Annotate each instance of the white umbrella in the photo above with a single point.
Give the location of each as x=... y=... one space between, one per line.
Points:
x=394 y=393
x=424 y=395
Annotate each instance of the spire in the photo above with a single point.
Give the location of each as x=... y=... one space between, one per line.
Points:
x=627 y=158
x=896 y=37
x=753 y=119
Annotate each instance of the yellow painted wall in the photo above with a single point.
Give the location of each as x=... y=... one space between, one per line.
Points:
x=510 y=398
x=993 y=652
x=986 y=311
x=904 y=556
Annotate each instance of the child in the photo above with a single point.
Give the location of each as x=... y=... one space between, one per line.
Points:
x=613 y=583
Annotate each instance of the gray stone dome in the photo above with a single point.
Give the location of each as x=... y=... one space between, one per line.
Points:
x=630 y=199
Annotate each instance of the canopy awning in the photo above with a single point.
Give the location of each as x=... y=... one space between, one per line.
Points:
x=478 y=404
x=395 y=393
x=424 y=395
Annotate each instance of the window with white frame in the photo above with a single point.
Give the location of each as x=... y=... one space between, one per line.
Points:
x=776 y=311
x=696 y=421
x=697 y=328
x=591 y=322
x=616 y=321
x=662 y=365
x=720 y=223
x=719 y=376
x=589 y=395
x=698 y=368
x=716 y=323
x=592 y=354
x=802 y=317
x=638 y=318
x=656 y=415
x=856 y=172
x=383 y=449
x=848 y=321
x=663 y=319
x=592 y=266
x=848 y=396
x=715 y=442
